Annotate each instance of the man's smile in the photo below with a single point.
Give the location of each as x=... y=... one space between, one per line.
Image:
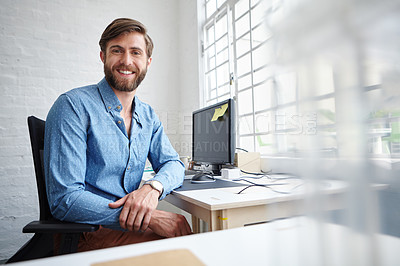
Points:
x=125 y=72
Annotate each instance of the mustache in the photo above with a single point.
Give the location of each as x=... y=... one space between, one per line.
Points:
x=128 y=68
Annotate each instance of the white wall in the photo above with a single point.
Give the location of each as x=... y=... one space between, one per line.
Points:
x=50 y=46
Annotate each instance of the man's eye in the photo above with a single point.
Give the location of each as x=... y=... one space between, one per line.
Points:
x=136 y=53
x=116 y=51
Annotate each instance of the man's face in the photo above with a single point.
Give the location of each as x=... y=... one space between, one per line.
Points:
x=125 y=61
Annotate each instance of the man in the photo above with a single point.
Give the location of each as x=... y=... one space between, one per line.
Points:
x=97 y=139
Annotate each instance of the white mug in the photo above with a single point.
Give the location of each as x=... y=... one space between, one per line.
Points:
x=185 y=161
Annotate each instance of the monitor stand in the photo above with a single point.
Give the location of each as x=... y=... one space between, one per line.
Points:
x=212 y=169
x=216 y=169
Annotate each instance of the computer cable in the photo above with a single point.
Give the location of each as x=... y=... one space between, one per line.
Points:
x=250 y=173
x=255 y=175
x=286 y=177
x=259 y=185
x=269 y=186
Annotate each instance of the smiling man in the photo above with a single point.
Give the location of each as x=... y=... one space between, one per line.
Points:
x=97 y=140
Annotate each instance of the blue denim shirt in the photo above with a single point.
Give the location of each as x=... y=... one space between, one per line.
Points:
x=90 y=161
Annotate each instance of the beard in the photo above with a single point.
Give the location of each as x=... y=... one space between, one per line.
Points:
x=124 y=84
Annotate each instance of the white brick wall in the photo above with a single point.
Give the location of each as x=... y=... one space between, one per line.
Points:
x=50 y=46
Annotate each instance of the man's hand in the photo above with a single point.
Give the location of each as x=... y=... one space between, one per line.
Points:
x=169 y=224
x=138 y=208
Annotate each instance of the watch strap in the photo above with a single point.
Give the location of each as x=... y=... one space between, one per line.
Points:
x=157 y=185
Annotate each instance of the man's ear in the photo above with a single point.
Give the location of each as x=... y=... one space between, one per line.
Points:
x=102 y=56
x=149 y=61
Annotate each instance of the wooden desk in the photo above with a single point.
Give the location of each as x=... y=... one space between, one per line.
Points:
x=296 y=242
x=223 y=208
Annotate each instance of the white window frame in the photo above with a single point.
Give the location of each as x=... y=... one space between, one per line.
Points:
x=217 y=16
x=281 y=135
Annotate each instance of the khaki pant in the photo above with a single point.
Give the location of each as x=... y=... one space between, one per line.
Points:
x=106 y=238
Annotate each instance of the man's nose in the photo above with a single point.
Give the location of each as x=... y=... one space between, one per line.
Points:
x=126 y=59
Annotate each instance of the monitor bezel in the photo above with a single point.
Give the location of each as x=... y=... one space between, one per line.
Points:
x=231 y=134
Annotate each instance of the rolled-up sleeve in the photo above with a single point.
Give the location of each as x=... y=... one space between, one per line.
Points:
x=169 y=169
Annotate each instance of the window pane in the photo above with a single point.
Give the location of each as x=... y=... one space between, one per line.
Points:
x=244 y=65
x=264 y=144
x=386 y=143
x=279 y=12
x=221 y=27
x=210 y=61
x=210 y=51
x=372 y=74
x=213 y=94
x=262 y=96
x=261 y=56
x=244 y=82
x=242 y=26
x=245 y=102
x=222 y=98
x=246 y=125
x=220 y=3
x=262 y=74
x=210 y=36
x=222 y=44
x=243 y=45
x=211 y=102
x=223 y=74
x=211 y=7
x=254 y=2
x=246 y=143
x=372 y=97
x=325 y=112
x=260 y=34
x=224 y=89
x=324 y=79
x=292 y=144
x=263 y=122
x=210 y=80
x=257 y=15
x=241 y=7
x=287 y=119
x=222 y=56
x=286 y=88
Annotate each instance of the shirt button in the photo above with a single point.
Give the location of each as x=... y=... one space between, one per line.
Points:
x=119 y=122
x=118 y=107
x=129 y=167
x=109 y=107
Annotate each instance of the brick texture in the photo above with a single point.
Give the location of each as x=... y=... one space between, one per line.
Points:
x=50 y=46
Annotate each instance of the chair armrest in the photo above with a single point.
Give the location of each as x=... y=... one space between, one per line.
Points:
x=55 y=226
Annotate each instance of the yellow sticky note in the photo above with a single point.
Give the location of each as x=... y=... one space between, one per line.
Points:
x=219 y=112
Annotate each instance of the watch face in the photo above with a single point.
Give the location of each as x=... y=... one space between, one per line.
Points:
x=157 y=185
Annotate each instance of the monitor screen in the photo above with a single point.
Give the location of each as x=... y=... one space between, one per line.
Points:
x=214 y=138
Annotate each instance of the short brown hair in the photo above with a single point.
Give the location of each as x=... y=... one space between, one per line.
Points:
x=121 y=25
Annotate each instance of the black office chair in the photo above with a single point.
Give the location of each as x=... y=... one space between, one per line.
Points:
x=41 y=245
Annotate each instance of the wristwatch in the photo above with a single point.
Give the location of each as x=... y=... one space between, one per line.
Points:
x=156 y=185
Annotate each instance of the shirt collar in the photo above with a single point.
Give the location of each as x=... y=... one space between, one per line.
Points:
x=111 y=101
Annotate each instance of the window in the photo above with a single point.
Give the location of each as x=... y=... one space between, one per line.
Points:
x=218 y=55
x=286 y=108
x=235 y=53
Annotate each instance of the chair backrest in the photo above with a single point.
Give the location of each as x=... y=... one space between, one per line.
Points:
x=36 y=133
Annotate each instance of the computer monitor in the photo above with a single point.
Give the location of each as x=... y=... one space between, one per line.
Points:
x=214 y=135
